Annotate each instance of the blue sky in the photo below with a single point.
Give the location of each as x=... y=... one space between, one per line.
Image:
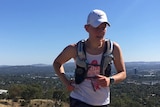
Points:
x=36 y=31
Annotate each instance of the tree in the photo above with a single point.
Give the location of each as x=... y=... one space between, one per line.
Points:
x=15 y=91
x=31 y=92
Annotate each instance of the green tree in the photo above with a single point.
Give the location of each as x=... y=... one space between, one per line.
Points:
x=31 y=92
x=15 y=91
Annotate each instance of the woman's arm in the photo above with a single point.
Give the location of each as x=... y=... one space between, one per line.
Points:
x=119 y=64
x=68 y=53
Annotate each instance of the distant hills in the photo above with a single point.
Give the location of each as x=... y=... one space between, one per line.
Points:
x=43 y=69
x=143 y=66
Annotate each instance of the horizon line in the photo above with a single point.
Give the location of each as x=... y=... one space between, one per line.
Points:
x=43 y=64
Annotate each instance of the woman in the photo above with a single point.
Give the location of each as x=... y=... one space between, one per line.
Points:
x=92 y=92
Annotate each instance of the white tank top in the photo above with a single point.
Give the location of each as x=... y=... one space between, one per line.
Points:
x=88 y=91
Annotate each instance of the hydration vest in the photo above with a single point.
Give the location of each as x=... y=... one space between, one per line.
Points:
x=82 y=63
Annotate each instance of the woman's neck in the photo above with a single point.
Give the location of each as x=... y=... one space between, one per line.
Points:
x=94 y=47
x=94 y=44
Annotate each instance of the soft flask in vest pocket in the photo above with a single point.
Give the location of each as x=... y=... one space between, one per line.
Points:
x=80 y=75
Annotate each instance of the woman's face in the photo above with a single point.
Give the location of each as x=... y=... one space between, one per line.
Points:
x=98 y=32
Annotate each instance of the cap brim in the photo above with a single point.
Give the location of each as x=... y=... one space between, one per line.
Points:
x=97 y=23
x=108 y=24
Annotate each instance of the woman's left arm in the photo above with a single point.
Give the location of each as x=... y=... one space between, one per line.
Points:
x=119 y=64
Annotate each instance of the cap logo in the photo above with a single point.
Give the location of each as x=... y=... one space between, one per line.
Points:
x=99 y=15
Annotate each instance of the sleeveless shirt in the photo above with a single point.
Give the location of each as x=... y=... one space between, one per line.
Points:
x=89 y=91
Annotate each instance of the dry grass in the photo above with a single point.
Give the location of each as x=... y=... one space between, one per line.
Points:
x=33 y=103
x=8 y=103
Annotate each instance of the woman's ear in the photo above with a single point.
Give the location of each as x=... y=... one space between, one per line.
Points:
x=86 y=27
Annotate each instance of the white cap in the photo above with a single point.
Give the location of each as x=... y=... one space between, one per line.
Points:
x=96 y=17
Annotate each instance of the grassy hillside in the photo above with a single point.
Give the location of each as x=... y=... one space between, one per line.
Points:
x=33 y=103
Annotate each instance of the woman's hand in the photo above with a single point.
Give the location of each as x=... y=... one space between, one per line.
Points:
x=103 y=81
x=71 y=87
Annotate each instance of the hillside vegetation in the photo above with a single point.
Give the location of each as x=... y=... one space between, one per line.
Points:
x=33 y=103
x=38 y=86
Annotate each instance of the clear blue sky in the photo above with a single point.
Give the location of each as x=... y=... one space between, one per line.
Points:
x=36 y=31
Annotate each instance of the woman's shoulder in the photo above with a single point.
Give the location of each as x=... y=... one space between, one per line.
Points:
x=70 y=47
x=116 y=50
x=74 y=45
x=116 y=45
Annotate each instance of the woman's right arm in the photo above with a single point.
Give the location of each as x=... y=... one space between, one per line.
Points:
x=68 y=53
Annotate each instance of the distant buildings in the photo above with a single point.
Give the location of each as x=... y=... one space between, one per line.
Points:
x=3 y=94
x=3 y=91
